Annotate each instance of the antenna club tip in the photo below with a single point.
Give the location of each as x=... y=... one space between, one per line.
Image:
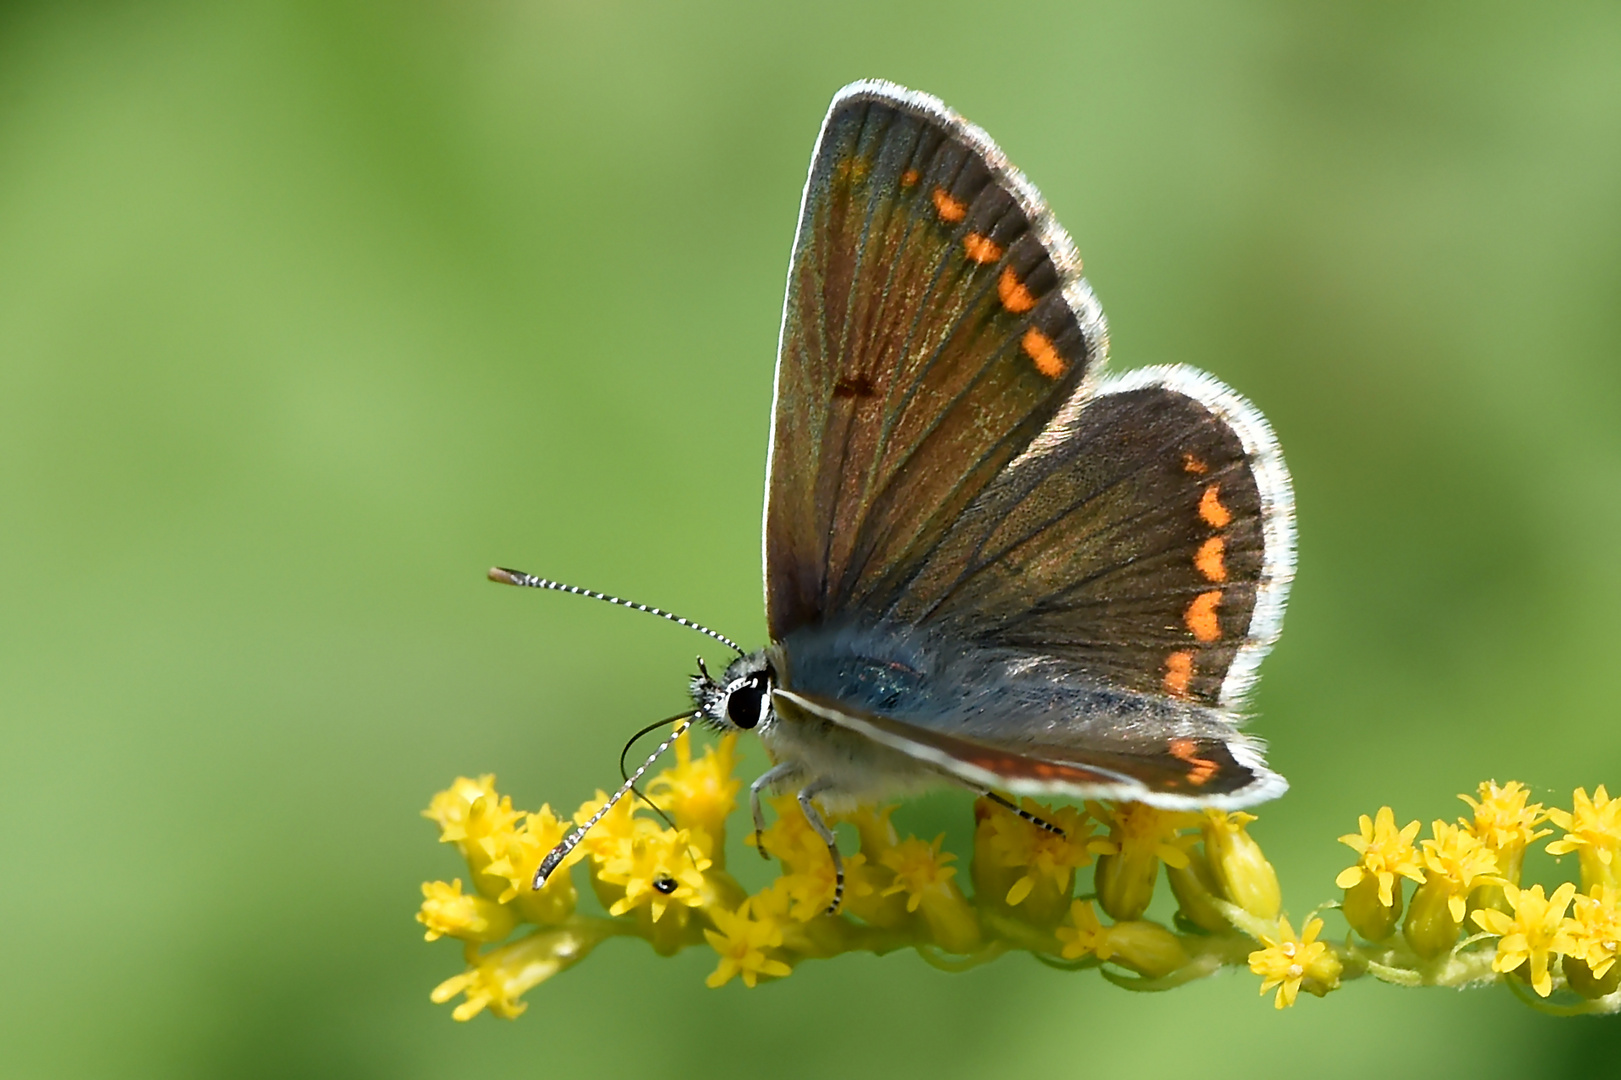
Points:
x=503 y=576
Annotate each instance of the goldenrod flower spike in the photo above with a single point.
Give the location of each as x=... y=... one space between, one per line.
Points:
x=669 y=887
x=1593 y=831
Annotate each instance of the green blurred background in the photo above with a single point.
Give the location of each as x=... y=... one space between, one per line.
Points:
x=310 y=311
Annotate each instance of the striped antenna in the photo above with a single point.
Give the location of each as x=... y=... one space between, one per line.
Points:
x=530 y=581
x=555 y=857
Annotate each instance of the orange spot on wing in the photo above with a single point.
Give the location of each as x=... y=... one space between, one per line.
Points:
x=950 y=210
x=1210 y=508
x=1186 y=750
x=1209 y=559
x=1178 y=672
x=1040 y=348
x=1015 y=297
x=982 y=249
x=909 y=177
x=1196 y=466
x=1201 y=616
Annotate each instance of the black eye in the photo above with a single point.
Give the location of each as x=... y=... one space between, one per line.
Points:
x=665 y=885
x=743 y=705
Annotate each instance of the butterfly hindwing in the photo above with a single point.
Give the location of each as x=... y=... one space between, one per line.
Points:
x=935 y=321
x=1147 y=539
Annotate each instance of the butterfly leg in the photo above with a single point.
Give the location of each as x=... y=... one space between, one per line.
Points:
x=806 y=794
x=1008 y=804
x=771 y=777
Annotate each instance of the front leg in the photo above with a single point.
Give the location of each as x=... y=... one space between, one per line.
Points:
x=806 y=794
x=770 y=778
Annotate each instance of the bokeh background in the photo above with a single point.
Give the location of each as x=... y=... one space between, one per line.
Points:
x=310 y=311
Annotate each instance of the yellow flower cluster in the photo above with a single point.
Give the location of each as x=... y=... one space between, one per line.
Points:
x=1470 y=916
x=659 y=874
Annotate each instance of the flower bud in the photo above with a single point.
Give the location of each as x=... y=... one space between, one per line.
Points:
x=1366 y=913
x=1194 y=886
x=1581 y=979
x=1125 y=883
x=1146 y=947
x=1244 y=874
x=1430 y=927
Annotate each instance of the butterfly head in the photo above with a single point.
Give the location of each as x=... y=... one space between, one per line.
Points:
x=740 y=698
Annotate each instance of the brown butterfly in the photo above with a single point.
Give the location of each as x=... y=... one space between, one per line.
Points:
x=986 y=563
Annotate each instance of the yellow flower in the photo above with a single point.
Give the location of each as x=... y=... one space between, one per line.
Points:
x=1455 y=862
x=1242 y=871
x=1505 y=823
x=1595 y=936
x=1008 y=840
x=1083 y=934
x=810 y=890
x=742 y=940
x=1537 y=932
x=1291 y=963
x=790 y=837
x=615 y=833
x=1459 y=860
x=1383 y=852
x=496 y=980
x=1502 y=816
x=658 y=868
x=922 y=875
x=876 y=830
x=1140 y=838
x=701 y=793
x=1594 y=831
x=446 y=911
x=479 y=822
x=519 y=858
x=920 y=869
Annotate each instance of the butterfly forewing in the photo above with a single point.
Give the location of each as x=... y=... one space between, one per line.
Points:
x=935 y=322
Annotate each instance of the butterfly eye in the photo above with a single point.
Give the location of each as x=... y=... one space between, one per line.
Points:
x=745 y=705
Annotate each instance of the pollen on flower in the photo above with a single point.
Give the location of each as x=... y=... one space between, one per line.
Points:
x=1383 y=853
x=744 y=941
x=1291 y=963
x=1536 y=933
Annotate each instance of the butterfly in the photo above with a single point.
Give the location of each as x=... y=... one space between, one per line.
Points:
x=986 y=563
